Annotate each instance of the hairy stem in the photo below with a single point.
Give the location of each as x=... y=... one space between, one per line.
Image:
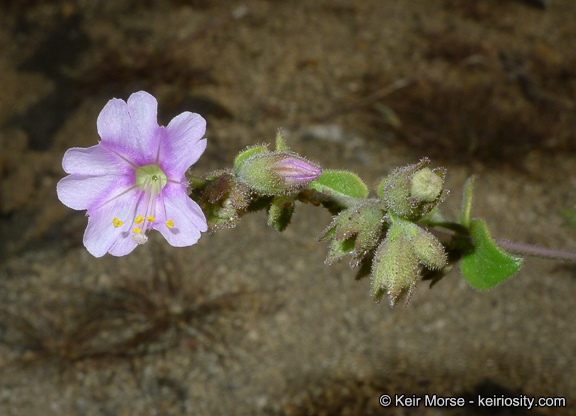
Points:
x=522 y=249
x=536 y=251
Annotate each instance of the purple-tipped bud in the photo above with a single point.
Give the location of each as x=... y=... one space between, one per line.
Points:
x=295 y=170
x=277 y=173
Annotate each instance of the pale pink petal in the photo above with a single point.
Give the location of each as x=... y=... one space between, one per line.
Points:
x=182 y=144
x=94 y=161
x=127 y=129
x=84 y=192
x=123 y=245
x=189 y=220
x=101 y=234
x=143 y=109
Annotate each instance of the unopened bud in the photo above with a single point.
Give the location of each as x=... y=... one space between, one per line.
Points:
x=223 y=199
x=426 y=185
x=414 y=190
x=396 y=268
x=399 y=259
x=354 y=231
x=294 y=170
x=277 y=173
x=429 y=250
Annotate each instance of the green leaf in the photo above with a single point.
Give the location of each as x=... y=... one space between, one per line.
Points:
x=340 y=183
x=488 y=265
x=247 y=153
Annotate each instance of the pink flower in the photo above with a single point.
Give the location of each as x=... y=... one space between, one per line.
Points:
x=134 y=179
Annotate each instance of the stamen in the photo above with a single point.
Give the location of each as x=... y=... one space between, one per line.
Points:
x=150 y=180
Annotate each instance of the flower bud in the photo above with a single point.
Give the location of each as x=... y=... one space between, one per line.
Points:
x=426 y=185
x=354 y=231
x=277 y=173
x=223 y=200
x=399 y=259
x=429 y=250
x=396 y=268
x=414 y=190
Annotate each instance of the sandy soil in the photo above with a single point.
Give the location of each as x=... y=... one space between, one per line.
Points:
x=250 y=321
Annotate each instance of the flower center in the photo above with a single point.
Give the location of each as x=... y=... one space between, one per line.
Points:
x=150 y=176
x=150 y=180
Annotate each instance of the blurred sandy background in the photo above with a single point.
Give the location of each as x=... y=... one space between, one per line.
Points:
x=249 y=321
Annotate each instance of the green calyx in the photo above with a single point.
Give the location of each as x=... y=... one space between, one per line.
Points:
x=151 y=177
x=246 y=154
x=256 y=173
x=414 y=190
x=274 y=173
x=224 y=200
x=395 y=269
x=354 y=231
x=400 y=258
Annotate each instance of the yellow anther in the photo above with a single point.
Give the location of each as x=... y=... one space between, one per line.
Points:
x=170 y=223
x=117 y=223
x=139 y=220
x=136 y=230
x=150 y=218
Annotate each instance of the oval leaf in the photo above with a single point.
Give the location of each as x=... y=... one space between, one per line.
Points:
x=341 y=183
x=488 y=264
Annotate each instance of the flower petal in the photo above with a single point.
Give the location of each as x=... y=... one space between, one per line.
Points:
x=130 y=129
x=189 y=220
x=182 y=144
x=93 y=161
x=84 y=192
x=143 y=109
x=101 y=235
x=123 y=245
